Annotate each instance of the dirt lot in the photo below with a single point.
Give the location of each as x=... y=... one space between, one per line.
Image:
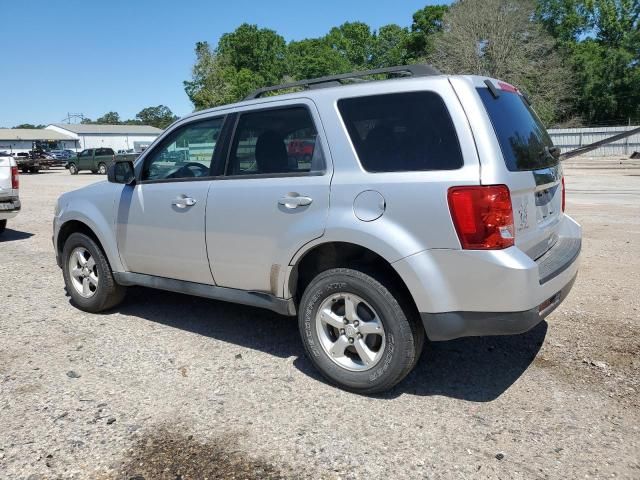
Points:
x=168 y=386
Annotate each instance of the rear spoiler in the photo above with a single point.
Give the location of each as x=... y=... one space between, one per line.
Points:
x=598 y=144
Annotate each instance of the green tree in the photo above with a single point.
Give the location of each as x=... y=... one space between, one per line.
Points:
x=109 y=118
x=29 y=126
x=601 y=43
x=354 y=41
x=160 y=116
x=391 y=46
x=245 y=59
x=258 y=50
x=314 y=57
x=427 y=23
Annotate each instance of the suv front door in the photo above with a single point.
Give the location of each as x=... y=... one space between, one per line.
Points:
x=161 y=220
x=270 y=201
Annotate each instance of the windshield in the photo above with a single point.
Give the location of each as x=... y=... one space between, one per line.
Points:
x=523 y=139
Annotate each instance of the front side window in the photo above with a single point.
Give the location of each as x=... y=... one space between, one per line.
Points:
x=185 y=153
x=277 y=141
x=85 y=153
x=402 y=132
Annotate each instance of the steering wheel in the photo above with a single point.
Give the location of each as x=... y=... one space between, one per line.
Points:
x=185 y=171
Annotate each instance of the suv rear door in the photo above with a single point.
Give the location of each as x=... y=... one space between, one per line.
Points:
x=270 y=202
x=532 y=173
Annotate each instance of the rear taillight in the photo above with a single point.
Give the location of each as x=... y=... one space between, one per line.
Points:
x=483 y=216
x=15 y=181
x=563 y=194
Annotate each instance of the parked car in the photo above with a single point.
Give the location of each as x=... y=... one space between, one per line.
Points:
x=301 y=149
x=27 y=163
x=432 y=204
x=97 y=160
x=9 y=194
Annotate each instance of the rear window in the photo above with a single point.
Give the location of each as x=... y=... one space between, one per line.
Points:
x=520 y=132
x=402 y=132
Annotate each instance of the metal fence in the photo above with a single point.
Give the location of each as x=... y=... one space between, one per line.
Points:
x=571 y=138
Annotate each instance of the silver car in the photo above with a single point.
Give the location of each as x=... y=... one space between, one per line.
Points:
x=424 y=204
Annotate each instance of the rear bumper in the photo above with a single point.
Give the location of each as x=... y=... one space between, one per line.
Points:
x=9 y=207
x=469 y=292
x=450 y=325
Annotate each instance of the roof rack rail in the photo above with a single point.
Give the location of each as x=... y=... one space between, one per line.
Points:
x=417 y=70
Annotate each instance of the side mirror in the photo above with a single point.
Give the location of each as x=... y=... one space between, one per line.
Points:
x=122 y=172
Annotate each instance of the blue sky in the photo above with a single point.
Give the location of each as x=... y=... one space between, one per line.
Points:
x=123 y=55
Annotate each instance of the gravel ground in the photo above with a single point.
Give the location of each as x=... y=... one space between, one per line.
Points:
x=169 y=386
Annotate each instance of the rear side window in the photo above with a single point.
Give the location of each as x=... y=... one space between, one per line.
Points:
x=277 y=141
x=402 y=132
x=522 y=136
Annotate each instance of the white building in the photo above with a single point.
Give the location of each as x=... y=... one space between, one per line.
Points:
x=16 y=140
x=118 y=137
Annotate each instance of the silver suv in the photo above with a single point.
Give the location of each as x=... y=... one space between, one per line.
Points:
x=376 y=211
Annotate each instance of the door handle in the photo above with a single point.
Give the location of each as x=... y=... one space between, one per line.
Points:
x=184 y=202
x=294 y=200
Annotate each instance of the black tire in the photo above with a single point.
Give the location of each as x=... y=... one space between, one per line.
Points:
x=73 y=169
x=25 y=169
x=404 y=335
x=102 y=169
x=108 y=293
x=3 y=226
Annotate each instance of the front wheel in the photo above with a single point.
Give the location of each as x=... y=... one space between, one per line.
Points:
x=3 y=226
x=73 y=169
x=102 y=169
x=87 y=275
x=357 y=333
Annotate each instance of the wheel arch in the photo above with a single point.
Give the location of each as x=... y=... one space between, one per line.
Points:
x=81 y=226
x=335 y=254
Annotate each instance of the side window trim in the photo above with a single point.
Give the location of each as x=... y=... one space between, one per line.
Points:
x=260 y=108
x=214 y=157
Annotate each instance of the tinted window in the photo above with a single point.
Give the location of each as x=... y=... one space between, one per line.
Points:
x=85 y=153
x=520 y=132
x=402 y=132
x=185 y=153
x=282 y=140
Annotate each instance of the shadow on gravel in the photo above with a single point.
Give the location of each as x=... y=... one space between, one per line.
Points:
x=171 y=456
x=10 y=235
x=477 y=369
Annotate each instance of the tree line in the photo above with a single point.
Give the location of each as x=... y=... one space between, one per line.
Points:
x=578 y=60
x=160 y=116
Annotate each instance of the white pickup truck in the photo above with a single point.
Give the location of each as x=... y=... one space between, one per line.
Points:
x=9 y=200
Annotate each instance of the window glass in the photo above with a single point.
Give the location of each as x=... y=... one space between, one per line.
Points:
x=186 y=153
x=522 y=136
x=281 y=140
x=402 y=132
x=85 y=153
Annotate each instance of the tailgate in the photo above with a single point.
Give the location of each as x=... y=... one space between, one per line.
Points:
x=5 y=177
x=533 y=172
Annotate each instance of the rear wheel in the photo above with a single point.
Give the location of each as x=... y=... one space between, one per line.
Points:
x=87 y=275
x=73 y=169
x=3 y=226
x=102 y=169
x=357 y=333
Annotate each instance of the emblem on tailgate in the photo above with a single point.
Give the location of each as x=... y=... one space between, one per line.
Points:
x=523 y=215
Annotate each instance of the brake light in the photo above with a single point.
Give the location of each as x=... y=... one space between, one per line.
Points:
x=483 y=216
x=507 y=87
x=563 y=194
x=15 y=181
